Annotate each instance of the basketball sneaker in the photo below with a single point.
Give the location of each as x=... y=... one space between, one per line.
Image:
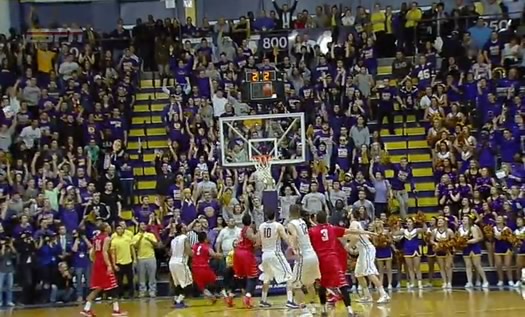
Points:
x=87 y=313
x=383 y=299
x=265 y=304
x=291 y=305
x=228 y=300
x=247 y=301
x=119 y=313
x=180 y=305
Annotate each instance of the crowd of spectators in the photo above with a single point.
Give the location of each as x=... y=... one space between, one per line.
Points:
x=63 y=141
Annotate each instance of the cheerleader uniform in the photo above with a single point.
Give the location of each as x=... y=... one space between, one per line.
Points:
x=471 y=249
x=520 y=233
x=441 y=237
x=412 y=243
x=384 y=253
x=430 y=247
x=501 y=247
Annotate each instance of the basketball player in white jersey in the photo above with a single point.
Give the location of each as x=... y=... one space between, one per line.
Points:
x=180 y=272
x=274 y=264
x=306 y=267
x=365 y=266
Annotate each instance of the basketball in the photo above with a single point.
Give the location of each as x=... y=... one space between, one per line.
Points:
x=267 y=90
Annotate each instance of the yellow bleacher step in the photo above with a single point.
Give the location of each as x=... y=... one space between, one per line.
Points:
x=150 y=145
x=148 y=119
x=417 y=172
x=413 y=158
x=146 y=171
x=146 y=108
x=145 y=158
x=148 y=83
x=149 y=131
x=422 y=187
x=407 y=131
x=157 y=96
x=152 y=199
x=384 y=70
x=126 y=214
x=401 y=145
x=423 y=202
x=147 y=185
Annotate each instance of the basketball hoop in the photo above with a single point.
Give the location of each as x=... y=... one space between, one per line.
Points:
x=263 y=167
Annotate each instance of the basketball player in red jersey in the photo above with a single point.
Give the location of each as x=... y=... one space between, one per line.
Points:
x=244 y=262
x=324 y=238
x=103 y=278
x=203 y=276
x=342 y=255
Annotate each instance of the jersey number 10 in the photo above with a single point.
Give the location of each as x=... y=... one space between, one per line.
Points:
x=267 y=233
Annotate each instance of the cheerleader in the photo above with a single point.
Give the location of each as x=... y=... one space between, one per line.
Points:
x=397 y=237
x=412 y=252
x=520 y=254
x=488 y=218
x=431 y=255
x=472 y=252
x=442 y=234
x=502 y=251
x=383 y=252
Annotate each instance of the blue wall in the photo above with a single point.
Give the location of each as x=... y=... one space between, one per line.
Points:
x=102 y=15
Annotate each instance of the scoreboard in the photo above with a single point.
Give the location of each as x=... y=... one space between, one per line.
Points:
x=263 y=86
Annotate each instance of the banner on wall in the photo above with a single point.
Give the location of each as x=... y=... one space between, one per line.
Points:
x=53 y=1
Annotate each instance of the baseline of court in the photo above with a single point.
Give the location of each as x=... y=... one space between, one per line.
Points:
x=457 y=302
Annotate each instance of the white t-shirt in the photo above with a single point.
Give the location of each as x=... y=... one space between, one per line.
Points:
x=219 y=105
x=226 y=238
x=29 y=135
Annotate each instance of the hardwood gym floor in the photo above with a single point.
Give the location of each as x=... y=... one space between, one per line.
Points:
x=458 y=302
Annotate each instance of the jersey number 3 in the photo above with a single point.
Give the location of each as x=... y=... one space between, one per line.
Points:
x=324 y=235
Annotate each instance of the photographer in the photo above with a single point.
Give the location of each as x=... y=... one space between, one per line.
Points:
x=26 y=247
x=48 y=252
x=80 y=261
x=62 y=285
x=7 y=270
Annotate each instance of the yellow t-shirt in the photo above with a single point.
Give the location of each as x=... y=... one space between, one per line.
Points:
x=145 y=248
x=127 y=233
x=45 y=61
x=378 y=21
x=121 y=245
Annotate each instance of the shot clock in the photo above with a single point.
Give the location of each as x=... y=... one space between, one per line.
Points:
x=263 y=86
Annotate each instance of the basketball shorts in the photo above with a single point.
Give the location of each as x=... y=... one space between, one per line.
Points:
x=306 y=270
x=181 y=274
x=203 y=277
x=365 y=265
x=274 y=266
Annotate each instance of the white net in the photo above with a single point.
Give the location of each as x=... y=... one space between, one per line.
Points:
x=263 y=170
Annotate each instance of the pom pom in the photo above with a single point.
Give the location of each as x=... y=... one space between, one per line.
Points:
x=420 y=218
x=382 y=241
x=460 y=242
x=394 y=221
x=488 y=232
